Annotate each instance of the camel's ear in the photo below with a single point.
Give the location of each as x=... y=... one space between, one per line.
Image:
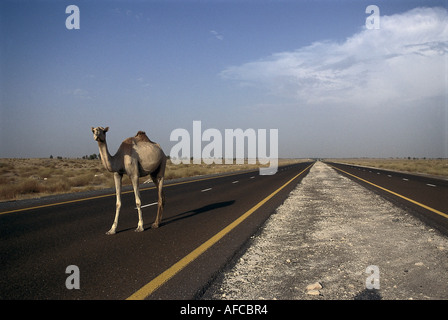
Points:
x=107 y=128
x=93 y=129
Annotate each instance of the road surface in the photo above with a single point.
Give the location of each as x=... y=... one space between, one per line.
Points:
x=199 y=234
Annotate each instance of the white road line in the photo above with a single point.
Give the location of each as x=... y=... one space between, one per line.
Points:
x=430 y=185
x=389 y=176
x=148 y=205
x=205 y=190
x=235 y=181
x=404 y=179
x=252 y=177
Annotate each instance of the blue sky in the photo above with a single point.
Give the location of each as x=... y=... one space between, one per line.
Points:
x=310 y=69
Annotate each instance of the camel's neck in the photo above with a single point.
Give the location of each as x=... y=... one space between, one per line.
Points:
x=106 y=158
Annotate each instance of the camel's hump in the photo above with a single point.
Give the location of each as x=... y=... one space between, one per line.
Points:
x=141 y=136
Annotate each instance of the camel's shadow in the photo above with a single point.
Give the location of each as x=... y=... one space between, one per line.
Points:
x=185 y=215
x=191 y=213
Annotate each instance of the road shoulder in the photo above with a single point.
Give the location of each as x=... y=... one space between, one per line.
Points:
x=331 y=231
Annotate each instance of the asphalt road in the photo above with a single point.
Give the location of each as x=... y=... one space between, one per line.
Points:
x=424 y=196
x=194 y=242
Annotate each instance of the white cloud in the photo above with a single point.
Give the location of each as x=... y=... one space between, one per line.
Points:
x=81 y=94
x=404 y=61
x=217 y=35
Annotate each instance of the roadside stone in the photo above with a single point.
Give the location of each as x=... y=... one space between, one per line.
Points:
x=419 y=264
x=313 y=292
x=314 y=286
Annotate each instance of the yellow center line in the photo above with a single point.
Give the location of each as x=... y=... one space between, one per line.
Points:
x=113 y=194
x=396 y=194
x=162 y=278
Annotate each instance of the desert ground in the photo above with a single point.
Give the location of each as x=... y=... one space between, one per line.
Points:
x=31 y=178
x=37 y=177
x=436 y=167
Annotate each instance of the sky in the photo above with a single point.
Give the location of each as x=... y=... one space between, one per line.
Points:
x=332 y=85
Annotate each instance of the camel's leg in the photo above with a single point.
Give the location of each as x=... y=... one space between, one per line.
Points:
x=138 y=202
x=117 y=178
x=158 y=181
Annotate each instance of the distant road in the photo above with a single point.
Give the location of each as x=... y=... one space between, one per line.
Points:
x=206 y=220
x=426 y=197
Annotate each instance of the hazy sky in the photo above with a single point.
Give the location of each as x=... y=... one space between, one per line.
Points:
x=311 y=69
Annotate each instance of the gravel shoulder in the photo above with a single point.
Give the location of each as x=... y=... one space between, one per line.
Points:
x=321 y=240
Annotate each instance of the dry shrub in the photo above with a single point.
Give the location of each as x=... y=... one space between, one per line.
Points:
x=57 y=186
x=5 y=167
x=7 y=192
x=81 y=180
x=29 y=186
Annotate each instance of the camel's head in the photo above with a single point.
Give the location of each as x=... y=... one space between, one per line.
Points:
x=99 y=133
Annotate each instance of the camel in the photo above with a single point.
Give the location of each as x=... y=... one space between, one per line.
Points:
x=137 y=157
